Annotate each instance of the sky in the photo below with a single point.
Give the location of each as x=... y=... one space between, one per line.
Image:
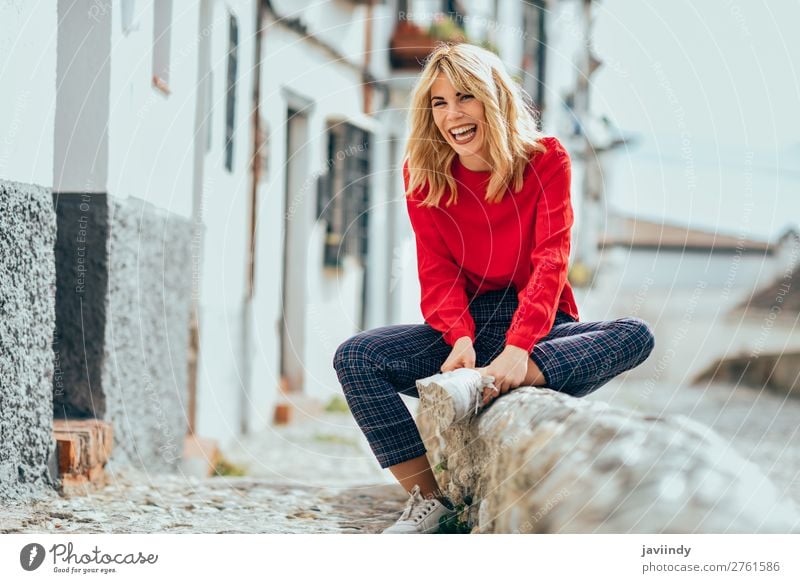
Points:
x=709 y=92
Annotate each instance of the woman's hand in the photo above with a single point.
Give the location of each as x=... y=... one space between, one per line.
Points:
x=462 y=355
x=509 y=370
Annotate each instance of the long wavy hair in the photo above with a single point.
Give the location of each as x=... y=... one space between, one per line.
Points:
x=511 y=130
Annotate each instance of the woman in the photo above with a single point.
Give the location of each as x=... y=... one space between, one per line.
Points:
x=489 y=202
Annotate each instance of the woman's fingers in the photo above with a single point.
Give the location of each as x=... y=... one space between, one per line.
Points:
x=499 y=387
x=500 y=383
x=455 y=364
x=490 y=392
x=459 y=358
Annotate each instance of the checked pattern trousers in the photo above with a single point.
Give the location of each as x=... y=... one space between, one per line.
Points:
x=376 y=365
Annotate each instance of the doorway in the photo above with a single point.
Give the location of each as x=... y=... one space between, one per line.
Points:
x=295 y=242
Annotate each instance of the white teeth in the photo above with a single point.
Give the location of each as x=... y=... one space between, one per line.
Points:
x=464 y=134
x=462 y=130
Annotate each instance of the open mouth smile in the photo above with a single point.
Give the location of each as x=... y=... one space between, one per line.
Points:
x=464 y=134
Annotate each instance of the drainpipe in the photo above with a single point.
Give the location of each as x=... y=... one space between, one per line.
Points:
x=198 y=190
x=255 y=177
x=367 y=53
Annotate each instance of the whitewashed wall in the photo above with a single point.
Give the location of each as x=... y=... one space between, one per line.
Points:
x=150 y=133
x=224 y=211
x=27 y=98
x=332 y=297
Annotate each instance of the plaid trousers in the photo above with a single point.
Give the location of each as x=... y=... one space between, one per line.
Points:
x=375 y=365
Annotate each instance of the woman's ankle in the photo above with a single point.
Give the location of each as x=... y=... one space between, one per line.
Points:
x=439 y=495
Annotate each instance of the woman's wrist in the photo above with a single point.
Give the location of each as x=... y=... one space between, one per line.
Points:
x=516 y=350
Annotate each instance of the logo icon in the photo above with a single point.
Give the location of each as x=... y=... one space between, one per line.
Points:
x=31 y=556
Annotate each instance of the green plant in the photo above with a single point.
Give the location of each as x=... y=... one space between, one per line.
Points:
x=446 y=29
x=332 y=438
x=337 y=404
x=490 y=46
x=225 y=468
x=580 y=274
x=455 y=523
x=440 y=467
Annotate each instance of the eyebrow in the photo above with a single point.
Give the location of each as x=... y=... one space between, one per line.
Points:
x=440 y=97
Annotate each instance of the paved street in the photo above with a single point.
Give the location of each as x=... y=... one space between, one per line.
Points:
x=312 y=476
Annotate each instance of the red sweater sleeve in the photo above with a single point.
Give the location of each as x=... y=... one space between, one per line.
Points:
x=538 y=301
x=443 y=297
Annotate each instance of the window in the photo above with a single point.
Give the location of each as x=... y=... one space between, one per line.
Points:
x=230 y=95
x=162 y=24
x=535 y=51
x=209 y=112
x=129 y=20
x=343 y=196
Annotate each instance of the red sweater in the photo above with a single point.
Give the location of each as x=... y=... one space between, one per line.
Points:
x=472 y=247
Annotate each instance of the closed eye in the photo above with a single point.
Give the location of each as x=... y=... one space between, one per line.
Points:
x=463 y=97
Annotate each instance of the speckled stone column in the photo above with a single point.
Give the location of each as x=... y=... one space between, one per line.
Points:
x=27 y=316
x=124 y=291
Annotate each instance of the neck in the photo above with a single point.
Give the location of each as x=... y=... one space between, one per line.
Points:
x=475 y=163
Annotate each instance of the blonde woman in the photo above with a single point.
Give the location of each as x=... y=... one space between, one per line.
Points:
x=488 y=198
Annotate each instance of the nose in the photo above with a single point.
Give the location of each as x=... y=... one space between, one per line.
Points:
x=454 y=112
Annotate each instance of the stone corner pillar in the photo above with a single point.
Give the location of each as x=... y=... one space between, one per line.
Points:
x=27 y=316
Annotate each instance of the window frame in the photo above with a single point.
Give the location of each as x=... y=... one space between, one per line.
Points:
x=162 y=45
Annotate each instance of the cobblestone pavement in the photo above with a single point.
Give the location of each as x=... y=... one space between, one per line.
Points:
x=318 y=475
x=175 y=504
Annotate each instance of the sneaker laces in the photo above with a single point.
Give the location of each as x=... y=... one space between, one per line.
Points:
x=486 y=381
x=417 y=507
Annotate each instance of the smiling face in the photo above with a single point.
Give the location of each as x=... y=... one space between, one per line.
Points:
x=461 y=121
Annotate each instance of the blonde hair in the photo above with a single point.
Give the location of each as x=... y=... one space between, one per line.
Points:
x=511 y=129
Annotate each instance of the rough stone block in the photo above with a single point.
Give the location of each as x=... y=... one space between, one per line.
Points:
x=540 y=461
x=27 y=315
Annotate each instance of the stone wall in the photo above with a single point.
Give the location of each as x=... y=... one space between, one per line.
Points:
x=147 y=333
x=776 y=372
x=27 y=317
x=540 y=461
x=123 y=323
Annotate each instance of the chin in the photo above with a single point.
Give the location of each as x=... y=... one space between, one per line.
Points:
x=470 y=152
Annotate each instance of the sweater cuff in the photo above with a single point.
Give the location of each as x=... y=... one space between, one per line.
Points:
x=454 y=334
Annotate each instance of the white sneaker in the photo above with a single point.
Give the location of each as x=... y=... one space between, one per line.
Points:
x=420 y=516
x=456 y=395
